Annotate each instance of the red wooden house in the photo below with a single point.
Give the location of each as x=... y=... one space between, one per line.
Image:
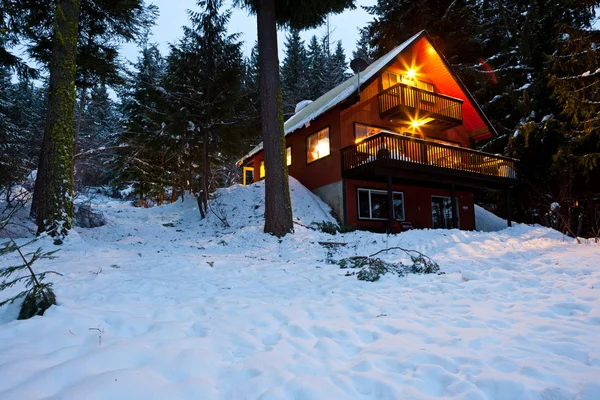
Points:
x=401 y=136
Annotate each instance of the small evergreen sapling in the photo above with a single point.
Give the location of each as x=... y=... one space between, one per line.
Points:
x=38 y=295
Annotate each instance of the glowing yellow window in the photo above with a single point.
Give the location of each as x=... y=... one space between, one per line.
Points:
x=317 y=145
x=288 y=156
x=262 y=170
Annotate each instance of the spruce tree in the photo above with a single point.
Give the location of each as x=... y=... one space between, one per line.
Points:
x=575 y=80
x=363 y=47
x=339 y=66
x=316 y=67
x=294 y=73
x=206 y=73
x=99 y=128
x=141 y=161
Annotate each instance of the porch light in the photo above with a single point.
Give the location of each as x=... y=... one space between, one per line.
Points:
x=411 y=73
x=416 y=123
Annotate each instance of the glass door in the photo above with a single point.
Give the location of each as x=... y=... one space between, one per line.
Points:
x=441 y=212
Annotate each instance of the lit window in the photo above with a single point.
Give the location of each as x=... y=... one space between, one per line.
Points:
x=318 y=145
x=426 y=86
x=288 y=155
x=262 y=170
x=373 y=204
x=389 y=79
x=362 y=131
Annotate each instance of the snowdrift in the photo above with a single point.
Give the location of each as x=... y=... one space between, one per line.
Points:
x=158 y=304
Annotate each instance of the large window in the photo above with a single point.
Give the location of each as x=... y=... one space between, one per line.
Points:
x=373 y=204
x=389 y=79
x=441 y=212
x=261 y=173
x=362 y=131
x=317 y=145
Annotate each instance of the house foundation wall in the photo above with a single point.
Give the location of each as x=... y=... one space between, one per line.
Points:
x=333 y=195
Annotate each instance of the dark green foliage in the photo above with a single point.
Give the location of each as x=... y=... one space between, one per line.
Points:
x=316 y=65
x=21 y=109
x=363 y=47
x=332 y=228
x=371 y=269
x=104 y=26
x=11 y=25
x=140 y=160
x=37 y=301
x=302 y=14
x=97 y=145
x=327 y=227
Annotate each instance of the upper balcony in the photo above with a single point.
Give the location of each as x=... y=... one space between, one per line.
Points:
x=421 y=160
x=409 y=103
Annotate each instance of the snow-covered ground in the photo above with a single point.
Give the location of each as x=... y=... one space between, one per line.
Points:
x=160 y=305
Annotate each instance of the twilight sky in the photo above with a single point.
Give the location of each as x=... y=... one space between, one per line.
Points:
x=173 y=15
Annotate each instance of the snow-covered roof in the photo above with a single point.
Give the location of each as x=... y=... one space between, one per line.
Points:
x=336 y=95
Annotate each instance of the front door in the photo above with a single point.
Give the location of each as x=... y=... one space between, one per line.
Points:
x=441 y=212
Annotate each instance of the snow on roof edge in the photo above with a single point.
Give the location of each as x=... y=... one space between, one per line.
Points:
x=335 y=95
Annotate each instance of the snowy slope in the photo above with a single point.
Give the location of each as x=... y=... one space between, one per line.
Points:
x=488 y=222
x=161 y=305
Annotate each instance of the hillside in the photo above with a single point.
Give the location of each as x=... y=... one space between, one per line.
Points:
x=161 y=305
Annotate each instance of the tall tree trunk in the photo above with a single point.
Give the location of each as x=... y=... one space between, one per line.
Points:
x=79 y=118
x=278 y=205
x=78 y=126
x=53 y=195
x=205 y=170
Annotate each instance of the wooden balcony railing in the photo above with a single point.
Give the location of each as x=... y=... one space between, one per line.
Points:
x=427 y=103
x=392 y=150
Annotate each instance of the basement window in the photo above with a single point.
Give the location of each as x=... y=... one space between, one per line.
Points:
x=373 y=204
x=317 y=145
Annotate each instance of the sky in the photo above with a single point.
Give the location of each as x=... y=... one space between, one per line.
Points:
x=173 y=15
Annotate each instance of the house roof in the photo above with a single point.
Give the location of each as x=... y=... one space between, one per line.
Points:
x=344 y=90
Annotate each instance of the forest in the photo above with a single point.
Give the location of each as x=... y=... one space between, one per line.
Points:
x=84 y=119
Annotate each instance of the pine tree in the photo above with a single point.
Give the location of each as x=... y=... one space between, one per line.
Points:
x=9 y=136
x=339 y=66
x=206 y=74
x=363 y=47
x=316 y=66
x=141 y=160
x=575 y=80
x=294 y=73
x=99 y=127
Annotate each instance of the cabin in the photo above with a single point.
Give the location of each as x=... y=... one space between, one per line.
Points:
x=398 y=133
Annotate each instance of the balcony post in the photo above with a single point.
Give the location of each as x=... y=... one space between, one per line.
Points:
x=508 y=208
x=454 y=208
x=390 y=201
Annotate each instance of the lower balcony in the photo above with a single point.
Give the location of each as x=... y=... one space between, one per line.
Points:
x=387 y=154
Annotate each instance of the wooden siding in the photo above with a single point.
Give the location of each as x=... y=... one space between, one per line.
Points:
x=417 y=205
x=320 y=172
